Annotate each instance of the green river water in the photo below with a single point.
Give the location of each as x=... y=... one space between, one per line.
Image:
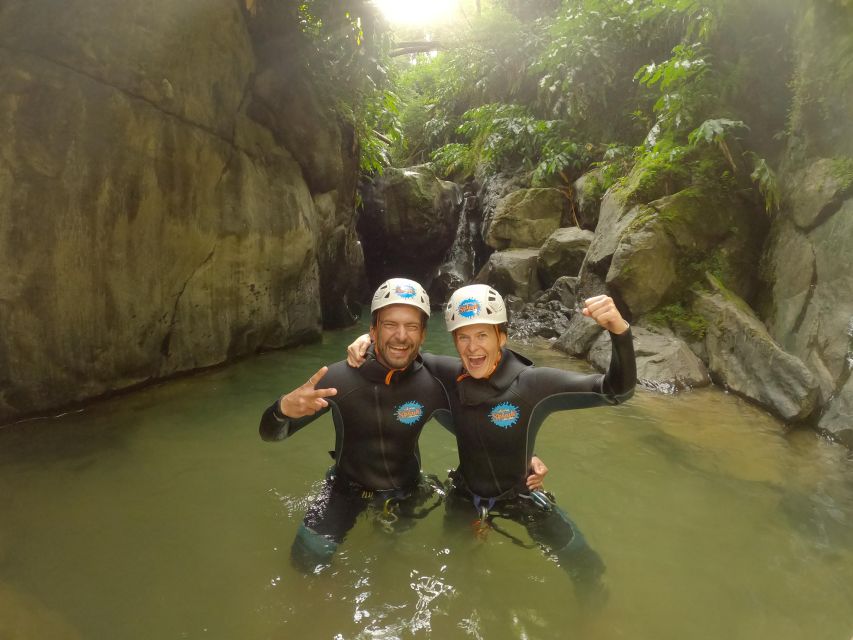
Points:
x=161 y=514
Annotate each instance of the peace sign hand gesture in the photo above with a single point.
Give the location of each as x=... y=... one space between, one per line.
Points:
x=306 y=400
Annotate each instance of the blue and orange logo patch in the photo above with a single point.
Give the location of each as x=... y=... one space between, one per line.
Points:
x=504 y=415
x=405 y=290
x=468 y=308
x=409 y=412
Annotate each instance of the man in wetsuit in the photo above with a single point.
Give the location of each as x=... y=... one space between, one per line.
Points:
x=499 y=401
x=378 y=413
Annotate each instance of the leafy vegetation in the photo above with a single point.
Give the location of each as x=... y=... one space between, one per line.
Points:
x=549 y=91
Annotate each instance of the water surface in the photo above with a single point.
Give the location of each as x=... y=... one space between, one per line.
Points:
x=162 y=514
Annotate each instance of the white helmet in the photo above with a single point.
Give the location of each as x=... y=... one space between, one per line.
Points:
x=400 y=291
x=474 y=304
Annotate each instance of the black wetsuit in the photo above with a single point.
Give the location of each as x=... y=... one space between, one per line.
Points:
x=497 y=420
x=378 y=416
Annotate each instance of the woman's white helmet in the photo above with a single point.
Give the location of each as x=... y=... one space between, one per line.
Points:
x=474 y=304
x=400 y=291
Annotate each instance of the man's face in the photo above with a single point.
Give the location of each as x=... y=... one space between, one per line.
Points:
x=398 y=335
x=479 y=346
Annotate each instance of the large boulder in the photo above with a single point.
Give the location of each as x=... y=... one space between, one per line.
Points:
x=644 y=269
x=525 y=218
x=673 y=241
x=579 y=336
x=615 y=218
x=512 y=272
x=408 y=223
x=664 y=362
x=563 y=253
x=743 y=357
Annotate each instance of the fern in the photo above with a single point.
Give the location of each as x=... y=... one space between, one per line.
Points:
x=764 y=177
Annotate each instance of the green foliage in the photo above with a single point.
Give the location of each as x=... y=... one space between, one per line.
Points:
x=549 y=88
x=454 y=158
x=765 y=179
x=717 y=131
x=505 y=137
x=682 y=82
x=659 y=171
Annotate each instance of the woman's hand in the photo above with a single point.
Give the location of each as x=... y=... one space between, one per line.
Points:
x=538 y=471
x=356 y=351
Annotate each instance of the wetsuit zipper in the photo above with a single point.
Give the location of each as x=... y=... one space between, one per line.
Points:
x=382 y=435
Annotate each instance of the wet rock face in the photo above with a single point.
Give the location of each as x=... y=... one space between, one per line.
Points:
x=563 y=253
x=671 y=243
x=664 y=362
x=408 y=223
x=151 y=225
x=810 y=274
x=512 y=272
x=743 y=357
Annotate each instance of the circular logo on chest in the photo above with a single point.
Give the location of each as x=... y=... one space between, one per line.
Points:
x=504 y=415
x=409 y=412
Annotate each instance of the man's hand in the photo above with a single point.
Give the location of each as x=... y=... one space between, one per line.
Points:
x=356 y=351
x=538 y=470
x=306 y=400
x=603 y=310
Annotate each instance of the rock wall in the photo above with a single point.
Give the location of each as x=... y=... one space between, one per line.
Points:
x=148 y=224
x=408 y=223
x=808 y=264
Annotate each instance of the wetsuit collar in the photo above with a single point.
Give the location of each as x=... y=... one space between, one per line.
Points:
x=375 y=371
x=473 y=391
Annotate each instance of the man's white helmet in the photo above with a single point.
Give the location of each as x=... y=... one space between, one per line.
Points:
x=400 y=291
x=474 y=304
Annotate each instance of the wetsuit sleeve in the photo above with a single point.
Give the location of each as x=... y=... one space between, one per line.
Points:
x=621 y=376
x=444 y=368
x=613 y=387
x=277 y=426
